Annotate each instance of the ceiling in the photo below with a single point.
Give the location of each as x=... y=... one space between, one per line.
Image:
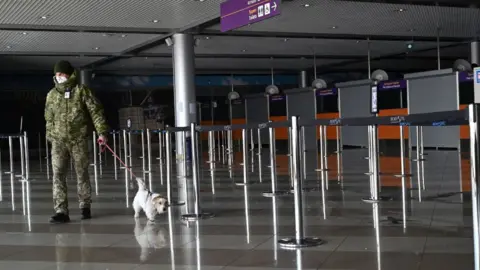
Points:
x=124 y=36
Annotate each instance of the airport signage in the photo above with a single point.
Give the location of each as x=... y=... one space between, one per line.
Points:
x=238 y=13
x=391 y=85
x=278 y=97
x=476 y=85
x=326 y=92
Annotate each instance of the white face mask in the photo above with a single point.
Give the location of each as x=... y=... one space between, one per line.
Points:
x=60 y=79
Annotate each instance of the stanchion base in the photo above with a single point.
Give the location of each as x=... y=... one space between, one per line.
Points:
x=418 y=159
x=276 y=193
x=322 y=170
x=403 y=175
x=195 y=217
x=173 y=204
x=242 y=184
x=292 y=243
x=307 y=189
x=370 y=200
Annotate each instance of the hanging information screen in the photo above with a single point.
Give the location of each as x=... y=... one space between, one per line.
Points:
x=278 y=105
x=238 y=13
x=374 y=99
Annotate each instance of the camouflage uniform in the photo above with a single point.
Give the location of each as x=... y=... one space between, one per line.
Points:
x=67 y=129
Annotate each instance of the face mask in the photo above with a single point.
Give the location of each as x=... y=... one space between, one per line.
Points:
x=60 y=79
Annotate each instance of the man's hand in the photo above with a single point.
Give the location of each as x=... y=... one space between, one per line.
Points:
x=102 y=140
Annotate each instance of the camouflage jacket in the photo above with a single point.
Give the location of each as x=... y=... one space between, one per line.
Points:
x=68 y=110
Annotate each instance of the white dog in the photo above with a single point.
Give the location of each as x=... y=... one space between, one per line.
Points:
x=151 y=203
x=149 y=237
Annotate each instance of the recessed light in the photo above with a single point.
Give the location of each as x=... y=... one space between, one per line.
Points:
x=44 y=17
x=244 y=50
x=411 y=30
x=400 y=10
x=9 y=47
x=24 y=33
x=124 y=36
x=146 y=57
x=334 y=27
x=96 y=48
x=285 y=40
x=207 y=38
x=155 y=21
x=306 y=5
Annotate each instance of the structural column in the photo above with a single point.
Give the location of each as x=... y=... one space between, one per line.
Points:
x=474 y=56
x=184 y=84
x=85 y=77
x=302 y=79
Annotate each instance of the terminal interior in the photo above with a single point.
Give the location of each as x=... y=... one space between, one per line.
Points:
x=335 y=135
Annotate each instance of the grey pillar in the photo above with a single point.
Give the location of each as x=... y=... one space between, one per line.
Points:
x=302 y=79
x=474 y=56
x=85 y=77
x=184 y=83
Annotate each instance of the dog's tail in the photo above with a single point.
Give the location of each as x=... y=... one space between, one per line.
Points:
x=141 y=183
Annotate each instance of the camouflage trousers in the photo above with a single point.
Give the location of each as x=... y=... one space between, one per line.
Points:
x=61 y=153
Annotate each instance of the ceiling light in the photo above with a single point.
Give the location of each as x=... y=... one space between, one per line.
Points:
x=155 y=21
x=411 y=30
x=306 y=5
x=96 y=48
x=400 y=10
x=124 y=36
x=146 y=57
x=44 y=17
x=285 y=40
x=207 y=38
x=9 y=47
x=244 y=50
x=24 y=33
x=334 y=27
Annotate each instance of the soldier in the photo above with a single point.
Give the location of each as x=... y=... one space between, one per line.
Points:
x=68 y=110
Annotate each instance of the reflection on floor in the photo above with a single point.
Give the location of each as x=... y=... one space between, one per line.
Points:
x=244 y=232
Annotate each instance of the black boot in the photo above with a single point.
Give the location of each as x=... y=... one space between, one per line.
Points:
x=59 y=218
x=86 y=213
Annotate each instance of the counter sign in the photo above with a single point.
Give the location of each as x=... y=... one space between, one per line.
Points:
x=238 y=13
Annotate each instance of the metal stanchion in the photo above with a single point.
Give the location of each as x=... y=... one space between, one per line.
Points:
x=339 y=154
x=245 y=159
x=273 y=167
x=160 y=155
x=199 y=214
x=95 y=172
x=252 y=143
x=290 y=162
x=130 y=164
x=475 y=179
x=115 y=150
x=47 y=157
x=144 y=169
x=219 y=145
x=100 y=161
x=40 y=151
x=374 y=177
x=230 y=149
x=168 y=164
x=325 y=148
x=149 y=160
x=422 y=148
x=300 y=240
x=125 y=150
x=402 y=154
x=419 y=160
x=224 y=147
x=210 y=147
x=303 y=150
x=259 y=138
x=11 y=172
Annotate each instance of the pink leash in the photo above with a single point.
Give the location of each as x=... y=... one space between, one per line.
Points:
x=116 y=156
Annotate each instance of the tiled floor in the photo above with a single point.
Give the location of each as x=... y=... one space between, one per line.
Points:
x=247 y=226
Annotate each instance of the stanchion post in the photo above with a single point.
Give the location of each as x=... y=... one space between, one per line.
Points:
x=245 y=159
x=475 y=178
x=199 y=214
x=210 y=147
x=12 y=172
x=47 y=157
x=115 y=150
x=168 y=165
x=325 y=147
x=299 y=240
x=40 y=151
x=95 y=169
x=373 y=161
x=230 y=149
x=149 y=160
x=273 y=167
x=403 y=172
x=259 y=138
x=125 y=150
x=130 y=163
x=144 y=169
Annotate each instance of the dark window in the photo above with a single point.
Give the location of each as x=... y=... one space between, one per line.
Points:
x=466 y=93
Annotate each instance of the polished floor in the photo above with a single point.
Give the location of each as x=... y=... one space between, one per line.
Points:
x=436 y=234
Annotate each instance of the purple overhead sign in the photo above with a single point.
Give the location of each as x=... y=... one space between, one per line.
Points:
x=237 y=13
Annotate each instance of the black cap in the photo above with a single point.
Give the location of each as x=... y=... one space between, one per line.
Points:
x=64 y=67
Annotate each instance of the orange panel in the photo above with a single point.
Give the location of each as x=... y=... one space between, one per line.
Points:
x=280 y=133
x=464 y=130
x=237 y=134
x=392 y=133
x=331 y=131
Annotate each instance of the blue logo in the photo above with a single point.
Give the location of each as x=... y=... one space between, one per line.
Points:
x=406 y=124
x=439 y=124
x=334 y=122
